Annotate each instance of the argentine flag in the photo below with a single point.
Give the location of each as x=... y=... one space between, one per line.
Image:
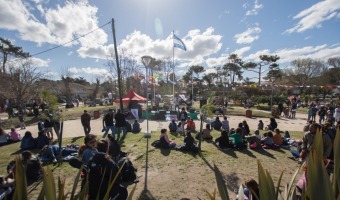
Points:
x=179 y=43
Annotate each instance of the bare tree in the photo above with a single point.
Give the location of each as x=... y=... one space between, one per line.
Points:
x=67 y=79
x=305 y=70
x=128 y=66
x=334 y=62
x=21 y=81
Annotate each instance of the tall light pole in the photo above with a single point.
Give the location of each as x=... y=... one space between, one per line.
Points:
x=146 y=60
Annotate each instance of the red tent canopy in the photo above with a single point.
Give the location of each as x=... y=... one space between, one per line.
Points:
x=131 y=95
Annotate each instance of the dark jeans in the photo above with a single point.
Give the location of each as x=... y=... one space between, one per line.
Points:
x=87 y=129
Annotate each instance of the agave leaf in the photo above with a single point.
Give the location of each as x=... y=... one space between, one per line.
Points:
x=222 y=188
x=75 y=183
x=267 y=190
x=113 y=181
x=291 y=183
x=20 y=191
x=132 y=191
x=278 y=186
x=41 y=194
x=61 y=188
x=240 y=193
x=101 y=183
x=48 y=184
x=211 y=196
x=319 y=185
x=336 y=173
x=84 y=192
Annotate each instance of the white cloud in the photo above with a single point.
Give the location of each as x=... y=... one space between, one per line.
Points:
x=39 y=62
x=254 y=10
x=58 y=26
x=199 y=45
x=314 y=16
x=219 y=61
x=249 y=36
x=321 y=52
x=241 y=51
x=88 y=70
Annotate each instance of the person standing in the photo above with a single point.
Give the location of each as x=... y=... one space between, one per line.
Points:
x=108 y=123
x=35 y=109
x=85 y=121
x=120 y=123
x=182 y=116
x=21 y=120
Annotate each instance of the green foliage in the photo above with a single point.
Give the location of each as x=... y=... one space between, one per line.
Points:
x=208 y=109
x=51 y=101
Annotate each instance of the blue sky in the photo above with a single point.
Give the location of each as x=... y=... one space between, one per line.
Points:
x=211 y=31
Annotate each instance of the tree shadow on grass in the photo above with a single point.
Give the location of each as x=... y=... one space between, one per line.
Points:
x=146 y=195
x=247 y=152
x=76 y=138
x=19 y=151
x=264 y=152
x=232 y=181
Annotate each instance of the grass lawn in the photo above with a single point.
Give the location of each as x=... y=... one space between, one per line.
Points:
x=175 y=175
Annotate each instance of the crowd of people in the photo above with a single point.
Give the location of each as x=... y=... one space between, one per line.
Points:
x=103 y=157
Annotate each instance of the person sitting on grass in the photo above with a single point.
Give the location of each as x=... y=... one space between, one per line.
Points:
x=180 y=128
x=237 y=138
x=191 y=124
x=273 y=124
x=225 y=124
x=223 y=141
x=41 y=140
x=267 y=139
x=28 y=142
x=277 y=138
x=136 y=127
x=189 y=143
x=260 y=125
x=246 y=127
x=3 y=137
x=173 y=126
x=90 y=150
x=14 y=136
x=217 y=124
x=165 y=142
x=205 y=133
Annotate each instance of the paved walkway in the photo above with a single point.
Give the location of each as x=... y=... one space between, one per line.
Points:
x=73 y=128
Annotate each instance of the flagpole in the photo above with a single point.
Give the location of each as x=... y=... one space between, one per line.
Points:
x=173 y=64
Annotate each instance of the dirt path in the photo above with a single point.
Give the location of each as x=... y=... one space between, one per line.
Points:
x=73 y=128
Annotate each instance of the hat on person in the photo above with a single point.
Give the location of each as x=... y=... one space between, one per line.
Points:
x=110 y=110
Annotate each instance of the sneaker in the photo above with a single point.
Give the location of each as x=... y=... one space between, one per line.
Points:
x=54 y=161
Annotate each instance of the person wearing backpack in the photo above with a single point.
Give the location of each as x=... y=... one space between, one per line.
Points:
x=102 y=171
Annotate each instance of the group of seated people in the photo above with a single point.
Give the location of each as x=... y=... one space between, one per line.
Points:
x=6 y=138
x=178 y=128
x=189 y=143
x=33 y=170
x=27 y=142
x=102 y=159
